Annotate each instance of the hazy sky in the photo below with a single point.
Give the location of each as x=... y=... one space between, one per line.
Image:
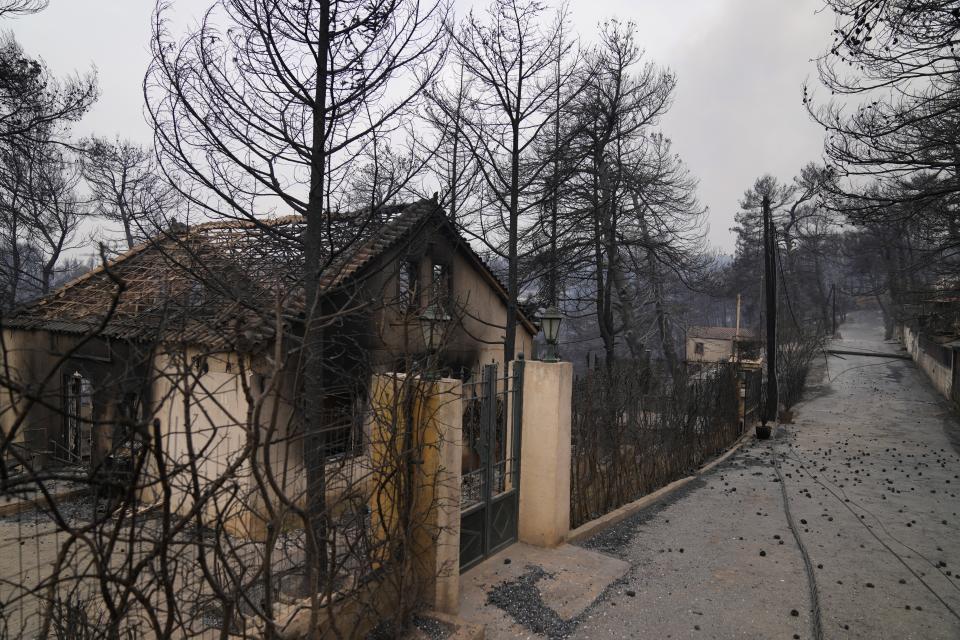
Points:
x=737 y=112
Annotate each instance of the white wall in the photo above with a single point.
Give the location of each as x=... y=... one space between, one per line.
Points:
x=713 y=350
x=940 y=375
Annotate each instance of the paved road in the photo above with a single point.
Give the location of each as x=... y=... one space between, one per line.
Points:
x=871 y=473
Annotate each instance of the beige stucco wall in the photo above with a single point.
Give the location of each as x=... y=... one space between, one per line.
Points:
x=713 y=350
x=280 y=429
x=482 y=317
x=477 y=331
x=940 y=375
x=546 y=453
x=202 y=420
x=38 y=361
x=434 y=415
x=28 y=357
x=219 y=429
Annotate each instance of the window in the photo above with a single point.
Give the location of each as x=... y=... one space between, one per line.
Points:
x=408 y=284
x=77 y=402
x=195 y=297
x=342 y=420
x=441 y=284
x=259 y=383
x=698 y=348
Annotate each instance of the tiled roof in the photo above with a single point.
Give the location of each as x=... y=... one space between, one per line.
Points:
x=246 y=268
x=721 y=333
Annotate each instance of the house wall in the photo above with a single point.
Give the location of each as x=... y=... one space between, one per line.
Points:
x=477 y=330
x=347 y=474
x=214 y=439
x=29 y=357
x=39 y=361
x=939 y=374
x=713 y=350
x=201 y=412
x=482 y=319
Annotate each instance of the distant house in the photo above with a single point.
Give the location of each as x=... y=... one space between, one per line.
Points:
x=203 y=307
x=719 y=344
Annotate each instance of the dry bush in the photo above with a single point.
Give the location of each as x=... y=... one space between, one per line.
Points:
x=633 y=434
x=796 y=351
x=197 y=529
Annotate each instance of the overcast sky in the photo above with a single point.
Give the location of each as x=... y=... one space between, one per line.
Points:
x=737 y=112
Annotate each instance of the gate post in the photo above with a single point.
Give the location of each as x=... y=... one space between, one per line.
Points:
x=446 y=440
x=431 y=410
x=545 y=453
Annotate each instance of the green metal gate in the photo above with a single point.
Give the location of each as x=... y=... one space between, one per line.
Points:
x=490 y=479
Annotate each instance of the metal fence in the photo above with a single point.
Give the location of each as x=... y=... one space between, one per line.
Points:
x=489 y=484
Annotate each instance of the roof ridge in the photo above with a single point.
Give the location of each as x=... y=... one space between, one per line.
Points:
x=399 y=207
x=166 y=235
x=394 y=226
x=247 y=223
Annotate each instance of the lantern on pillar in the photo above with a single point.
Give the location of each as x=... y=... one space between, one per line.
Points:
x=550 y=321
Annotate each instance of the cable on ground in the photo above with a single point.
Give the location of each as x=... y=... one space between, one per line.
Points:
x=816 y=614
x=879 y=539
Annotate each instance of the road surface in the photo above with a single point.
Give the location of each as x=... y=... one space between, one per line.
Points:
x=871 y=473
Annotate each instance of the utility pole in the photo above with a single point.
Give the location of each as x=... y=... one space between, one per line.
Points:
x=737 y=334
x=769 y=412
x=833 y=298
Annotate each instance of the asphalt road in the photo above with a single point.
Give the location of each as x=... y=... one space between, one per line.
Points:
x=871 y=474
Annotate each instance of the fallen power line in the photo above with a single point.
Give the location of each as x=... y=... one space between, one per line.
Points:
x=871 y=354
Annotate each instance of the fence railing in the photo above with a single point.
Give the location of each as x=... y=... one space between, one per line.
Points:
x=633 y=434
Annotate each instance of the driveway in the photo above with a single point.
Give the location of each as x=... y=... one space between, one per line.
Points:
x=870 y=477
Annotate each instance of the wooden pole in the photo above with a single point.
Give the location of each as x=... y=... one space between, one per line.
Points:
x=737 y=334
x=833 y=295
x=769 y=412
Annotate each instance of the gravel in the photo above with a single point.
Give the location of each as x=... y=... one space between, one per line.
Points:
x=433 y=628
x=521 y=600
x=616 y=540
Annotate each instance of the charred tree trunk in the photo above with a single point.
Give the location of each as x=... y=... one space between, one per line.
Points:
x=825 y=298
x=628 y=318
x=600 y=266
x=663 y=323
x=513 y=279
x=313 y=339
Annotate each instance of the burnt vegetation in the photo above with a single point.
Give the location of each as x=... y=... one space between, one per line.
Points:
x=224 y=423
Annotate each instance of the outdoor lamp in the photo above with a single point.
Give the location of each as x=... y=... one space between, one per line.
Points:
x=550 y=323
x=433 y=323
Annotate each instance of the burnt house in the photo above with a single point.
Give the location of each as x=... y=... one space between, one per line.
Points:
x=721 y=344
x=216 y=312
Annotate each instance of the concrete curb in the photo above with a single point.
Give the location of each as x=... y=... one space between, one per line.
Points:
x=14 y=507
x=597 y=525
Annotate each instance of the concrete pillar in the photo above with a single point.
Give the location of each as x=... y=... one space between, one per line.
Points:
x=545 y=453
x=436 y=424
x=441 y=477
